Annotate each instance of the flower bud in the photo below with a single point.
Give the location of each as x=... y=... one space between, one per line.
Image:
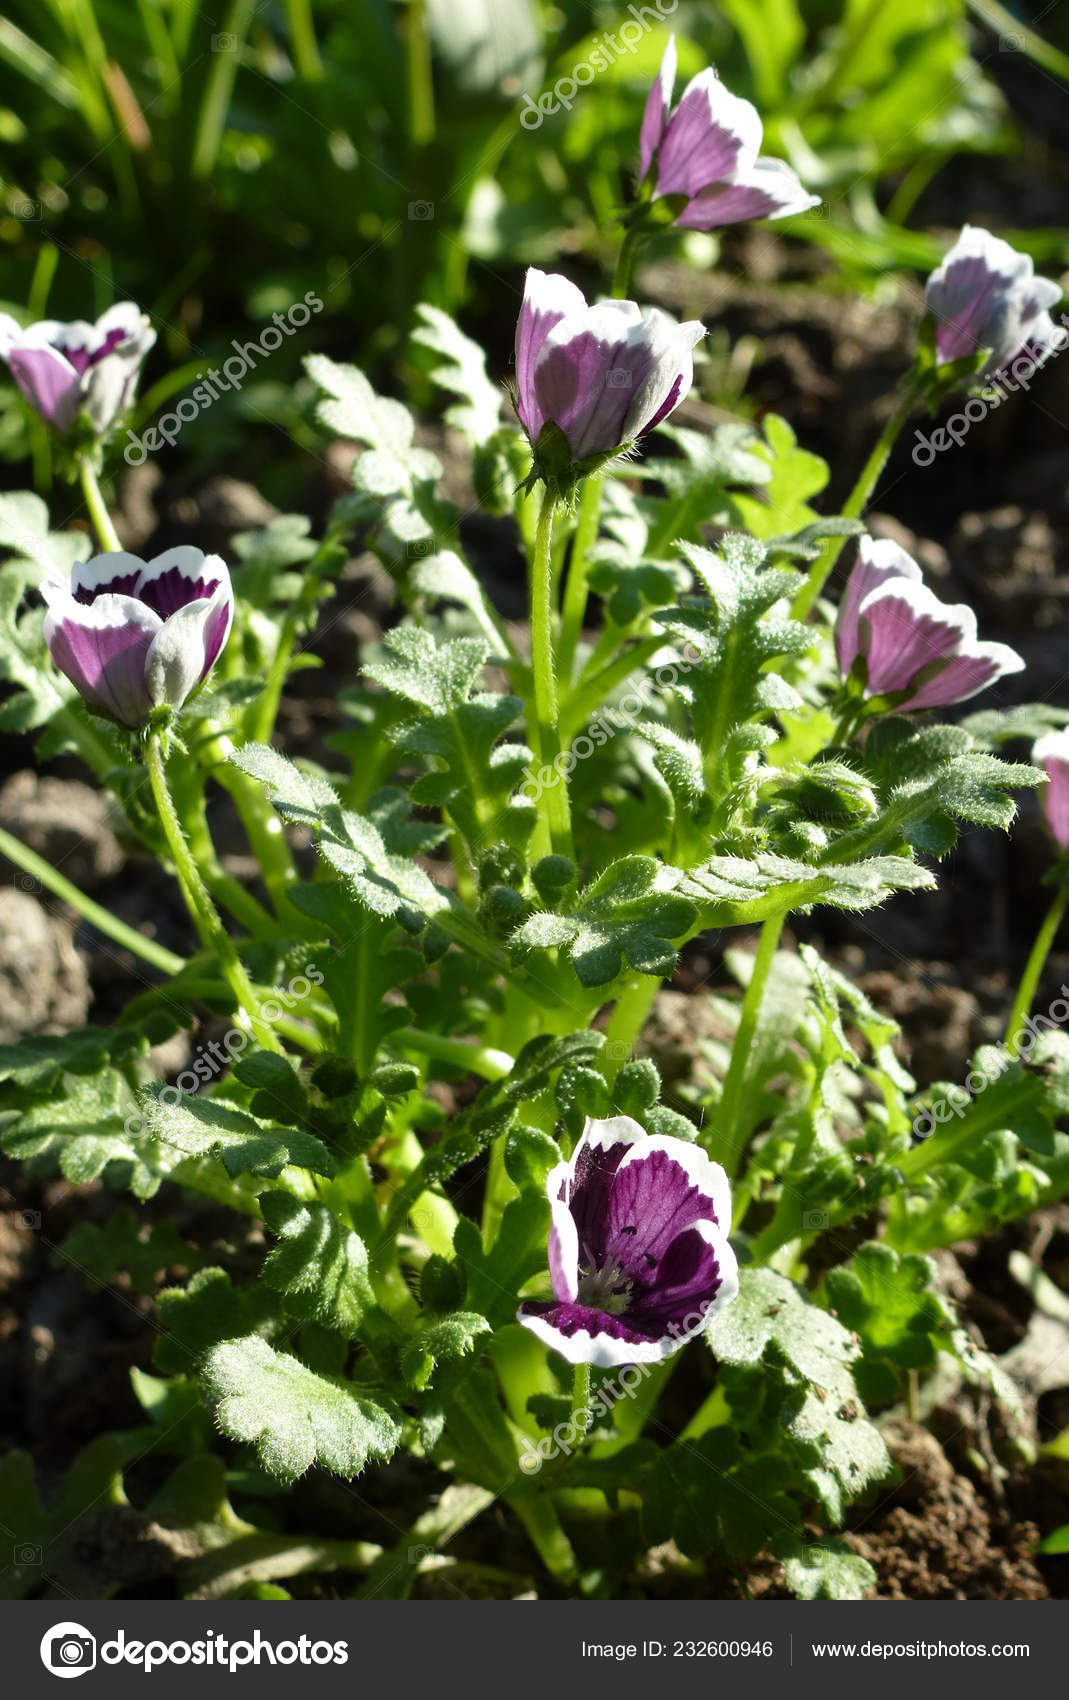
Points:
x=984 y=295
x=67 y=371
x=707 y=153
x=908 y=640
x=591 y=381
x=1051 y=753
x=132 y=636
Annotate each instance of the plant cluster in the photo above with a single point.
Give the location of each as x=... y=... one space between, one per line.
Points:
x=487 y=1240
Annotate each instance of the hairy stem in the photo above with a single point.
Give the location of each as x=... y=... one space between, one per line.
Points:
x=102 y=919
x=1026 y=991
x=732 y=1137
x=625 y=265
x=575 y=589
x=858 y=499
x=553 y=801
x=581 y=1402
x=201 y=908
x=98 y=511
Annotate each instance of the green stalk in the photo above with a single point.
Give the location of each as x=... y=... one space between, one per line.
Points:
x=591 y=692
x=575 y=589
x=459 y=1053
x=303 y=37
x=553 y=806
x=98 y=512
x=420 y=80
x=858 y=499
x=731 y=1137
x=581 y=1401
x=1026 y=991
x=220 y=87
x=97 y=916
x=1033 y=46
x=627 y=1021
x=625 y=265
x=190 y=802
x=201 y=908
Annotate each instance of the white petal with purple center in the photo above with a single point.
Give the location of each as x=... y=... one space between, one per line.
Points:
x=713 y=136
x=182 y=653
x=102 y=648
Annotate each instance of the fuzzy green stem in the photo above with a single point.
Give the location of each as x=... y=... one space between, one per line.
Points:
x=303 y=36
x=731 y=1135
x=625 y=265
x=553 y=801
x=420 y=81
x=201 y=908
x=575 y=589
x=581 y=1402
x=98 y=512
x=627 y=1021
x=859 y=498
x=1025 y=40
x=459 y=1053
x=1026 y=991
x=97 y=916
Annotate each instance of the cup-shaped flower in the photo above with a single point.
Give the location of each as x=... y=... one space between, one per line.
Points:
x=133 y=635
x=708 y=152
x=909 y=640
x=592 y=380
x=1051 y=753
x=985 y=295
x=67 y=370
x=638 y=1250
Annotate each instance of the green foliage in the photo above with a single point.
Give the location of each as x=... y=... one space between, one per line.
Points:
x=292 y=1416
x=124 y=1246
x=630 y=913
x=320 y=1269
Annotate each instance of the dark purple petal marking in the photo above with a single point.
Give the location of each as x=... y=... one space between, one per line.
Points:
x=687 y=1275
x=592 y=1181
x=569 y=1319
x=175 y=589
x=638 y=1252
x=115 y=574
x=653 y=1199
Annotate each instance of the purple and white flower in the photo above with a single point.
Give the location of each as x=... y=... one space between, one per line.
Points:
x=985 y=295
x=1051 y=753
x=65 y=370
x=132 y=635
x=639 y=1258
x=709 y=151
x=603 y=375
x=911 y=641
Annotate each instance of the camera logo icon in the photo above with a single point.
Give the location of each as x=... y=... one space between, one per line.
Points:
x=68 y=1649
